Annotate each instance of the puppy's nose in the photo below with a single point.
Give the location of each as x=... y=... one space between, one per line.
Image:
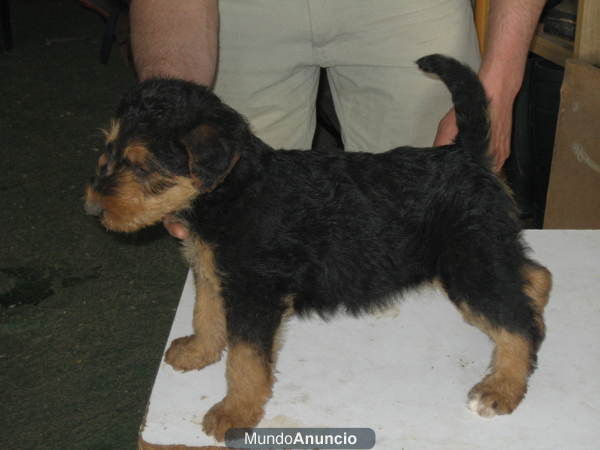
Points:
x=91 y=205
x=92 y=208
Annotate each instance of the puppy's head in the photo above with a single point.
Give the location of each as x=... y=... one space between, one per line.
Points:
x=170 y=142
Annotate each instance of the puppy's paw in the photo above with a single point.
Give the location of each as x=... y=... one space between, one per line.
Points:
x=496 y=395
x=223 y=416
x=186 y=353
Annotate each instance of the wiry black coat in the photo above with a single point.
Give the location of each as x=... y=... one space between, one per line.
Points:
x=319 y=232
x=344 y=230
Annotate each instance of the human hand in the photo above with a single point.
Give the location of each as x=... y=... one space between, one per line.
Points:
x=175 y=227
x=447 y=129
x=500 y=113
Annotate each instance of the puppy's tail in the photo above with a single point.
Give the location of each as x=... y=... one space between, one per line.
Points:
x=470 y=102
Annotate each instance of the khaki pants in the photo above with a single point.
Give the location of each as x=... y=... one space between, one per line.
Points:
x=271 y=52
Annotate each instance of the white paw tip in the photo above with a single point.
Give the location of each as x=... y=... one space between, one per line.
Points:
x=480 y=408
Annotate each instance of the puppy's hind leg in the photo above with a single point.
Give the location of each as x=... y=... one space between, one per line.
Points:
x=508 y=307
x=538 y=283
x=206 y=345
x=513 y=360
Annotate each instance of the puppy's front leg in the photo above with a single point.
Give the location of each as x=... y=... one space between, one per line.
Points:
x=249 y=385
x=252 y=346
x=206 y=345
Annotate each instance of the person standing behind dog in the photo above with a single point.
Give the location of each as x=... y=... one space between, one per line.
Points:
x=263 y=59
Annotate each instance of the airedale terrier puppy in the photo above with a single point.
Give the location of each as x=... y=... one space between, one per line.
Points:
x=289 y=231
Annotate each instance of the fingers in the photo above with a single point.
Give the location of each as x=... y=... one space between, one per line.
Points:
x=175 y=227
x=447 y=130
x=501 y=128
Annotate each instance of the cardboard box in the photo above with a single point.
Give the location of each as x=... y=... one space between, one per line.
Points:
x=573 y=199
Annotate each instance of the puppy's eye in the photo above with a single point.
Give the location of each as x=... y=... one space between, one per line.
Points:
x=158 y=187
x=139 y=171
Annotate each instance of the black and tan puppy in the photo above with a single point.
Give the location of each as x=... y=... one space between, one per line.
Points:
x=280 y=232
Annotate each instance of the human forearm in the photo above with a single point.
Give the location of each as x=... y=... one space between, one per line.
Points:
x=510 y=29
x=511 y=25
x=175 y=39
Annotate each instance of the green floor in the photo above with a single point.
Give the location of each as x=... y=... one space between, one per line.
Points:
x=85 y=313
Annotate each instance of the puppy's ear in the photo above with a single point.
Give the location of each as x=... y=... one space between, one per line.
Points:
x=211 y=156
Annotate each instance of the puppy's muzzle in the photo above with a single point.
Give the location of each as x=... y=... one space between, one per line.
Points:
x=92 y=208
x=91 y=205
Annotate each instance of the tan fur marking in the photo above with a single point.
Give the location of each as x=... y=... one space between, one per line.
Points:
x=112 y=134
x=538 y=283
x=249 y=386
x=102 y=160
x=105 y=162
x=153 y=181
x=206 y=345
x=137 y=153
x=131 y=208
x=503 y=389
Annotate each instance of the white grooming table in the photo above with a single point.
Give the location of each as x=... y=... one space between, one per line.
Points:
x=406 y=372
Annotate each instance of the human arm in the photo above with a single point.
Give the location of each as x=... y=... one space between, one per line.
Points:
x=177 y=39
x=511 y=25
